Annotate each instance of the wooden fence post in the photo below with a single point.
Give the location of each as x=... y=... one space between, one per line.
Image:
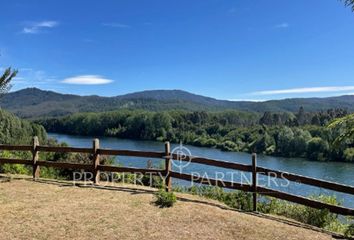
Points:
x=168 y=181
x=96 y=161
x=36 y=171
x=254 y=180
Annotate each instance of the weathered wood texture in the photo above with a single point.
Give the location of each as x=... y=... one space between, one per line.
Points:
x=254 y=181
x=168 y=179
x=96 y=160
x=35 y=157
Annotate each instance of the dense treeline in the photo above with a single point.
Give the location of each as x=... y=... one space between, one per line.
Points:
x=302 y=118
x=289 y=135
x=17 y=131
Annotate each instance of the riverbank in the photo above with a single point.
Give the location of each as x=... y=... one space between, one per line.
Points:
x=228 y=131
x=53 y=210
x=332 y=171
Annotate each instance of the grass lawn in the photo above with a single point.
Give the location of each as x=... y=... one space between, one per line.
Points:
x=58 y=210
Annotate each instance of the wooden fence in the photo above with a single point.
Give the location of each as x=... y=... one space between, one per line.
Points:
x=168 y=173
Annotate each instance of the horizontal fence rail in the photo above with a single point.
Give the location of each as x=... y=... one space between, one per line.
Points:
x=130 y=169
x=131 y=153
x=210 y=181
x=64 y=165
x=63 y=149
x=167 y=172
x=16 y=147
x=304 y=201
x=215 y=163
x=306 y=180
x=16 y=161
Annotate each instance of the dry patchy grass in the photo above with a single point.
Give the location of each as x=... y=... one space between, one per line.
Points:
x=46 y=210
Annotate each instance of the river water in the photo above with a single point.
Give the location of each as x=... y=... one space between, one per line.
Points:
x=332 y=171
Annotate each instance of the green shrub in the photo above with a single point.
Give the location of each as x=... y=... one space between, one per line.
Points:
x=229 y=146
x=268 y=205
x=235 y=199
x=241 y=200
x=238 y=199
x=15 y=169
x=210 y=143
x=349 y=155
x=349 y=232
x=49 y=172
x=165 y=199
x=152 y=181
x=322 y=218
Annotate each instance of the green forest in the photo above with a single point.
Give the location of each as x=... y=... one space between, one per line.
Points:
x=14 y=130
x=317 y=136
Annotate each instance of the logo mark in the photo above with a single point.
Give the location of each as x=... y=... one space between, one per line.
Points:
x=183 y=157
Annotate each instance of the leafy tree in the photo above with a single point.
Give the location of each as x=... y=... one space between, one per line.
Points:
x=161 y=124
x=5 y=80
x=316 y=120
x=263 y=144
x=16 y=131
x=349 y=154
x=317 y=149
x=345 y=128
x=267 y=119
x=349 y=3
x=284 y=139
x=301 y=116
x=299 y=143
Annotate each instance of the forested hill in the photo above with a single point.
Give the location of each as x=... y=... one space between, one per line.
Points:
x=35 y=103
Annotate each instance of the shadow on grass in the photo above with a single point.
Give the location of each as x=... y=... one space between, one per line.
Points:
x=265 y=216
x=141 y=190
x=5 y=179
x=66 y=183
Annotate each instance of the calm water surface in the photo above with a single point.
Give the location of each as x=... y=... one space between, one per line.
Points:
x=332 y=171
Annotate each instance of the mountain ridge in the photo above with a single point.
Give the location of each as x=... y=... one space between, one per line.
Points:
x=37 y=103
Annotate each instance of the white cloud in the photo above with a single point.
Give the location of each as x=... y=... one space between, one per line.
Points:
x=87 y=80
x=48 y=24
x=305 y=90
x=115 y=25
x=282 y=25
x=36 y=27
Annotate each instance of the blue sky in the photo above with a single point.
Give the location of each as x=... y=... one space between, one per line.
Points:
x=240 y=49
